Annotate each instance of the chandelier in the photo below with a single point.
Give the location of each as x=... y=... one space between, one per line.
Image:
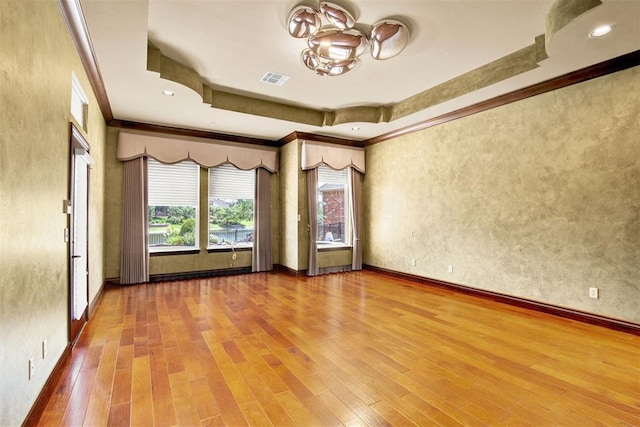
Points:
x=334 y=45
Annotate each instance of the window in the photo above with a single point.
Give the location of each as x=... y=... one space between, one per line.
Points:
x=333 y=207
x=79 y=102
x=231 y=193
x=173 y=205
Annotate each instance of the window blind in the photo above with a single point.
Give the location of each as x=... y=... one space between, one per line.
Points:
x=173 y=185
x=326 y=175
x=227 y=182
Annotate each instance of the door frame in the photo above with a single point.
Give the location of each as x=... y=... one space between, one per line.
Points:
x=77 y=140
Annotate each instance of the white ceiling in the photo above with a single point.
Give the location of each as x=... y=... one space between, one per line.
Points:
x=233 y=43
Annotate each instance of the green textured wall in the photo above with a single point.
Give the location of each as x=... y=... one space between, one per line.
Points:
x=539 y=199
x=36 y=61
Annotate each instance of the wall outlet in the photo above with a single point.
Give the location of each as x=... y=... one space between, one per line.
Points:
x=593 y=293
x=450 y=268
x=32 y=367
x=413 y=261
x=45 y=349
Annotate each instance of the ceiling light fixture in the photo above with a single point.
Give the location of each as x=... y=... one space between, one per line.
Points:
x=600 y=31
x=334 y=45
x=167 y=93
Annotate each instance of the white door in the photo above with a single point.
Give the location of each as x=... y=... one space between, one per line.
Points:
x=79 y=296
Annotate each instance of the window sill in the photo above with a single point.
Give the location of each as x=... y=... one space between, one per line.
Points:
x=333 y=247
x=165 y=252
x=214 y=249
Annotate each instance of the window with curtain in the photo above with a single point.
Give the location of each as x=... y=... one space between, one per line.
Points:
x=173 y=205
x=231 y=205
x=333 y=207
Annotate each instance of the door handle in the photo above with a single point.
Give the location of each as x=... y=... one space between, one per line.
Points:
x=76 y=256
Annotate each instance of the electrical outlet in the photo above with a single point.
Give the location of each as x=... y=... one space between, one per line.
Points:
x=45 y=350
x=593 y=293
x=413 y=261
x=234 y=256
x=450 y=268
x=32 y=367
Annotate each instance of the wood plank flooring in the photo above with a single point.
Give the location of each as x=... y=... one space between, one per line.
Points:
x=348 y=349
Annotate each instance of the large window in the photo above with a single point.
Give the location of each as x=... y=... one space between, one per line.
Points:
x=333 y=207
x=231 y=194
x=173 y=205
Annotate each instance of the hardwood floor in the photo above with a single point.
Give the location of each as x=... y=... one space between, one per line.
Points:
x=358 y=348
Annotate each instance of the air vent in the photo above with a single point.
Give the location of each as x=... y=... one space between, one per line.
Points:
x=274 y=78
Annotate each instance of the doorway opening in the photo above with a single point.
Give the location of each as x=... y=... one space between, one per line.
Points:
x=81 y=163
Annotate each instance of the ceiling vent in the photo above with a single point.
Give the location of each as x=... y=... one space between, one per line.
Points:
x=274 y=78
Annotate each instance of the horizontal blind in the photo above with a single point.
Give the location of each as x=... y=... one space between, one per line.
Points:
x=227 y=182
x=173 y=185
x=326 y=175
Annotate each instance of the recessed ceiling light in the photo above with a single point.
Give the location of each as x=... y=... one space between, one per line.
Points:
x=167 y=93
x=601 y=31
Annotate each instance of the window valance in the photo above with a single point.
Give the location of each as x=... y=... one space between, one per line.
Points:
x=335 y=156
x=207 y=153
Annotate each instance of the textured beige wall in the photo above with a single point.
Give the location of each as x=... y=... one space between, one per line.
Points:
x=334 y=258
x=36 y=61
x=303 y=209
x=539 y=199
x=113 y=206
x=168 y=264
x=293 y=202
x=289 y=171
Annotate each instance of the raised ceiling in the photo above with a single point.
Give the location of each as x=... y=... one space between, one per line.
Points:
x=212 y=54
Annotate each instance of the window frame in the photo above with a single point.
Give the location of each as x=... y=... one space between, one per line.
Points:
x=233 y=246
x=175 y=249
x=325 y=246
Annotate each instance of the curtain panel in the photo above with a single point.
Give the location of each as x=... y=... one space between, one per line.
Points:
x=134 y=265
x=335 y=156
x=207 y=153
x=261 y=256
x=312 y=184
x=355 y=182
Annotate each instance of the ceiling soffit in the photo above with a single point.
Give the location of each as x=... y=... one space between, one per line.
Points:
x=518 y=62
x=562 y=13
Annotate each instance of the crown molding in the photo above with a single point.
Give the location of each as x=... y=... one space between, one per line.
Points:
x=597 y=70
x=74 y=19
x=124 y=124
x=73 y=16
x=318 y=138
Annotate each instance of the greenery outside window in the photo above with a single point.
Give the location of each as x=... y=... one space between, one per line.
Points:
x=333 y=208
x=231 y=205
x=173 y=205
